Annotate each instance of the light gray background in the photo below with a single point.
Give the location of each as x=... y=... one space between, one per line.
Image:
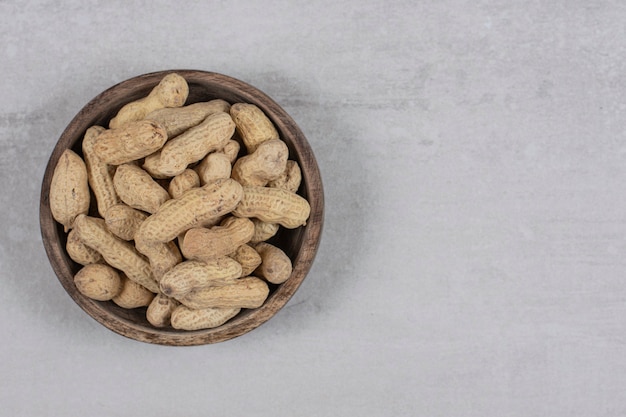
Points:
x=474 y=162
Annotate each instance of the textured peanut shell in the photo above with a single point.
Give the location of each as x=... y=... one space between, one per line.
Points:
x=151 y=165
x=190 y=209
x=130 y=142
x=231 y=150
x=248 y=292
x=100 y=174
x=275 y=266
x=266 y=163
x=115 y=251
x=253 y=126
x=273 y=205
x=248 y=258
x=184 y=181
x=79 y=252
x=176 y=120
x=192 y=145
x=159 y=312
x=98 y=282
x=172 y=91
x=191 y=275
x=184 y=318
x=263 y=231
x=214 y=166
x=204 y=244
x=290 y=179
x=133 y=295
x=69 y=189
x=168 y=258
x=138 y=189
x=124 y=221
x=162 y=256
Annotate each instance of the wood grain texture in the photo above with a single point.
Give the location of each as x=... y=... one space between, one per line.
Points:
x=299 y=244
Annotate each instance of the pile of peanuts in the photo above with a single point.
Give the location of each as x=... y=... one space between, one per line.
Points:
x=186 y=198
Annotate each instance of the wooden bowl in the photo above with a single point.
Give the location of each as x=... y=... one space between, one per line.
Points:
x=300 y=244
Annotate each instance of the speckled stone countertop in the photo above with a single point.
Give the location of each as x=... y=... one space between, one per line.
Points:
x=474 y=163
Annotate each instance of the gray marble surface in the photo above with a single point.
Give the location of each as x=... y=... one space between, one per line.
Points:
x=474 y=162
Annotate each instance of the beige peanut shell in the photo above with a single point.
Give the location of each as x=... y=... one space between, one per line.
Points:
x=248 y=258
x=100 y=173
x=231 y=150
x=138 y=189
x=69 y=189
x=253 y=126
x=204 y=244
x=290 y=179
x=162 y=256
x=266 y=163
x=176 y=120
x=190 y=209
x=172 y=91
x=191 y=146
x=263 y=231
x=151 y=165
x=116 y=252
x=130 y=142
x=79 y=252
x=159 y=312
x=275 y=266
x=191 y=275
x=98 y=282
x=214 y=166
x=182 y=182
x=248 y=292
x=273 y=205
x=133 y=295
x=185 y=318
x=124 y=221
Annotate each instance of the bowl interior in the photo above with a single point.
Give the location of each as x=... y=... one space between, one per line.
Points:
x=299 y=244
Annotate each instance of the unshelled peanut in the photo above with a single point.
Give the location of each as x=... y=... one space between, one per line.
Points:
x=253 y=125
x=116 y=252
x=138 y=189
x=162 y=256
x=191 y=146
x=172 y=91
x=204 y=244
x=100 y=173
x=231 y=150
x=273 y=205
x=79 y=252
x=192 y=275
x=213 y=167
x=133 y=295
x=290 y=179
x=190 y=209
x=69 y=189
x=248 y=258
x=263 y=231
x=129 y=142
x=98 y=281
x=176 y=120
x=124 y=221
x=159 y=312
x=185 y=318
x=184 y=181
x=275 y=266
x=248 y=292
x=266 y=163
